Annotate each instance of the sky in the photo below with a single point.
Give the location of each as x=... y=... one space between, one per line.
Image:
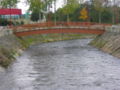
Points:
x=22 y=5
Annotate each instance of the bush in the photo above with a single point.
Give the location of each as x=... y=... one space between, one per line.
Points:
x=5 y=22
x=35 y=16
x=22 y=22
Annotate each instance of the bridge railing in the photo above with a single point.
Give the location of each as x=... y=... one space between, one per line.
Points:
x=113 y=29
x=51 y=24
x=67 y=24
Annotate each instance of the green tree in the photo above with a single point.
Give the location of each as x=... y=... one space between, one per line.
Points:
x=106 y=16
x=35 y=16
x=8 y=3
x=41 y=6
x=60 y=16
x=99 y=6
x=83 y=14
x=35 y=5
x=70 y=7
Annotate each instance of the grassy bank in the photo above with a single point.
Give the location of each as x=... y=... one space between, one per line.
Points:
x=30 y=40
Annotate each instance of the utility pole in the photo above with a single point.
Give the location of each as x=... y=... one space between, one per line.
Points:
x=113 y=19
x=67 y=2
x=10 y=14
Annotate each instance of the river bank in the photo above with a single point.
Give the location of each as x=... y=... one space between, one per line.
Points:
x=12 y=46
x=108 y=42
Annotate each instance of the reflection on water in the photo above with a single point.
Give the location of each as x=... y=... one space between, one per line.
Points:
x=66 y=65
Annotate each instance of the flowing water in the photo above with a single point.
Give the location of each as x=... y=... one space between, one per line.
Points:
x=65 y=65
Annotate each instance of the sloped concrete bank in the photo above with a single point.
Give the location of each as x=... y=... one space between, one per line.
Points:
x=12 y=46
x=108 y=42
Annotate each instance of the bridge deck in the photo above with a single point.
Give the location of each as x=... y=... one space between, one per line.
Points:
x=60 y=30
x=45 y=28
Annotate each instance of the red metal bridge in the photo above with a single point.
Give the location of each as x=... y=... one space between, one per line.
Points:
x=60 y=27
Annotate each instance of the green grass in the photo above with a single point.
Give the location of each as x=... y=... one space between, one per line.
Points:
x=7 y=56
x=29 y=40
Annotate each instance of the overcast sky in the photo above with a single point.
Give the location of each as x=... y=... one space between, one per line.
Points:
x=22 y=5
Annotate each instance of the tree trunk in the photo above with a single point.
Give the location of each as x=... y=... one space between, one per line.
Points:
x=40 y=18
x=113 y=17
x=100 y=16
x=68 y=19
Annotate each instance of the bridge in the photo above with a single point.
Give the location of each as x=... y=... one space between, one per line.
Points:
x=60 y=27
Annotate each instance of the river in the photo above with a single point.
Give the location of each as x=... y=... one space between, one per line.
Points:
x=64 y=65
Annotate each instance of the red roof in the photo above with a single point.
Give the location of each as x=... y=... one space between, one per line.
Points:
x=6 y=11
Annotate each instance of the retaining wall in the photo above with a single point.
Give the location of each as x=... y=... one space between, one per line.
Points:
x=5 y=31
x=109 y=42
x=113 y=28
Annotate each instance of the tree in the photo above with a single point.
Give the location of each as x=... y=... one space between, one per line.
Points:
x=8 y=3
x=41 y=6
x=99 y=5
x=106 y=16
x=70 y=7
x=35 y=5
x=83 y=14
x=35 y=16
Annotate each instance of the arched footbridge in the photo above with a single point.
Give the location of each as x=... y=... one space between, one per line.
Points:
x=47 y=28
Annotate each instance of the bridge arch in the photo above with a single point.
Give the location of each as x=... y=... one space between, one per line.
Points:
x=46 y=28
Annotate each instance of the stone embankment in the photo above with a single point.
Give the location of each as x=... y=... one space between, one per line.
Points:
x=110 y=41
